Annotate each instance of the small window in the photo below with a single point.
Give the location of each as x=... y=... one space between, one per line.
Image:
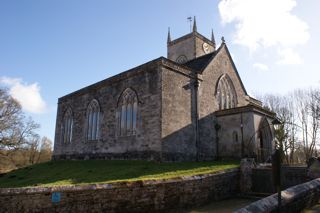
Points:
x=235 y=137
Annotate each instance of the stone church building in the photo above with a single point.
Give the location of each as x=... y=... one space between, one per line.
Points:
x=189 y=106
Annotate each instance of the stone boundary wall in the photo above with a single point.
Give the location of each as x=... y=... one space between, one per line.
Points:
x=137 y=196
x=294 y=199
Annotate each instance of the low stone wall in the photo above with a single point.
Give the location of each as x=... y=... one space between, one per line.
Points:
x=138 y=196
x=294 y=199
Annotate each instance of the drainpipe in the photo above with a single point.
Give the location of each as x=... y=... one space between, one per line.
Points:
x=242 y=142
x=196 y=86
x=217 y=128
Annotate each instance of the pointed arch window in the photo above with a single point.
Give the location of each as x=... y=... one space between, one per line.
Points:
x=225 y=93
x=93 y=118
x=127 y=111
x=67 y=126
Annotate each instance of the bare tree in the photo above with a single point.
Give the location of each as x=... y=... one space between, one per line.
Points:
x=314 y=114
x=15 y=129
x=17 y=133
x=33 y=149
x=282 y=106
x=45 y=151
x=299 y=113
x=10 y=118
x=301 y=106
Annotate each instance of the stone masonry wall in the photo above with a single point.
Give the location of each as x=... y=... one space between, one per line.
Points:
x=230 y=124
x=208 y=103
x=184 y=47
x=145 y=81
x=221 y=64
x=199 y=46
x=178 y=121
x=190 y=45
x=139 y=196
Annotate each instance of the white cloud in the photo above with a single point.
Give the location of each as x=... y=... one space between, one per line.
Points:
x=28 y=95
x=264 y=23
x=260 y=66
x=288 y=56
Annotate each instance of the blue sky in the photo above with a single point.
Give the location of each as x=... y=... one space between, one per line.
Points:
x=51 y=48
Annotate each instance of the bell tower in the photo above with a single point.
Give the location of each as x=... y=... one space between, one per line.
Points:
x=190 y=46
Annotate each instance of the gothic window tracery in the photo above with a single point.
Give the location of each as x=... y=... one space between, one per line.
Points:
x=67 y=126
x=225 y=93
x=127 y=111
x=182 y=59
x=93 y=114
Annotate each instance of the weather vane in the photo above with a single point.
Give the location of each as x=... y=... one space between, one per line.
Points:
x=190 y=21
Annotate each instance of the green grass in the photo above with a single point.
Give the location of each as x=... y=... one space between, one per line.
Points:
x=57 y=173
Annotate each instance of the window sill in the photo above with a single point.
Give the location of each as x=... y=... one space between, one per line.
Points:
x=90 y=141
x=126 y=136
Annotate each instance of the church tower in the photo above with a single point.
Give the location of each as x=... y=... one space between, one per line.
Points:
x=190 y=46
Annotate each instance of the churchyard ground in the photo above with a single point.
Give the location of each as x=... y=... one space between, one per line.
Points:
x=81 y=172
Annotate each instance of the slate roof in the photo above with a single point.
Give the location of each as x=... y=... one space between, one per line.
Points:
x=199 y=64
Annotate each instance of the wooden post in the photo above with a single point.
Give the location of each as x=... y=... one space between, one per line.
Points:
x=276 y=173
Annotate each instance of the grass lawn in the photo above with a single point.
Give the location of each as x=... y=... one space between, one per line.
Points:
x=105 y=171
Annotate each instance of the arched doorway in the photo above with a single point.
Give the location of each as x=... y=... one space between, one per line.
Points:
x=265 y=140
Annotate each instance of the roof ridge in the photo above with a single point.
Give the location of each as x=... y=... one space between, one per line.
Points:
x=115 y=77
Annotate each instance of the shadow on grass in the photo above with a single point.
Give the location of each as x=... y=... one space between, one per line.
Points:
x=104 y=171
